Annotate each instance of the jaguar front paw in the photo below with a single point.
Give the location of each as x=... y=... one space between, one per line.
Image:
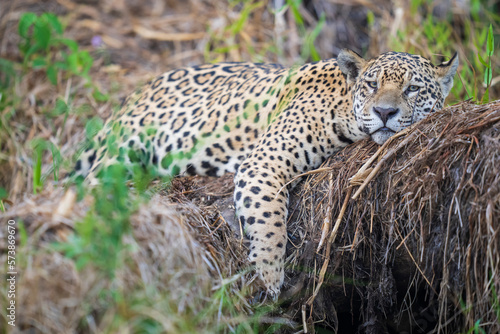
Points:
x=272 y=275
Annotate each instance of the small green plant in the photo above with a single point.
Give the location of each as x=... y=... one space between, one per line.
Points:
x=232 y=37
x=98 y=238
x=476 y=329
x=308 y=50
x=225 y=41
x=488 y=70
x=3 y=196
x=44 y=47
x=39 y=146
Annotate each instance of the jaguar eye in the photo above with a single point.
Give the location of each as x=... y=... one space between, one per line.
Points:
x=412 y=88
x=372 y=84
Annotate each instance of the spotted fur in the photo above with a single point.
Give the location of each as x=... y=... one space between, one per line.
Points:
x=267 y=124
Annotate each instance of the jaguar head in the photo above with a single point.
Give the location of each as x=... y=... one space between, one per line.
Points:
x=394 y=90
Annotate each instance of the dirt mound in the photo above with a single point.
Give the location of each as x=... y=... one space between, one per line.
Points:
x=415 y=242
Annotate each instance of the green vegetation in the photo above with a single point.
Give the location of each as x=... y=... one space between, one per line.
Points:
x=98 y=239
x=47 y=53
x=473 y=40
x=39 y=146
x=232 y=39
x=43 y=47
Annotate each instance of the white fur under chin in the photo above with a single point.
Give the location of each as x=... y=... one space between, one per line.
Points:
x=381 y=137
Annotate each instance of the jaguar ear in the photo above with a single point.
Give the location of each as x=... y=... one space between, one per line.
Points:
x=445 y=73
x=351 y=64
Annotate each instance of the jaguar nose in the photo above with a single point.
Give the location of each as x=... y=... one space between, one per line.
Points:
x=385 y=113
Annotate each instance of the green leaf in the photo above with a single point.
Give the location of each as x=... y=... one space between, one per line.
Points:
x=42 y=34
x=475 y=9
x=481 y=37
x=61 y=65
x=72 y=61
x=485 y=64
x=81 y=262
x=25 y=22
x=294 y=6
x=32 y=50
x=100 y=97
x=39 y=62
x=225 y=49
x=370 y=18
x=490 y=46
x=86 y=61
x=52 y=74
x=429 y=28
x=7 y=73
x=245 y=13
x=71 y=44
x=60 y=108
x=314 y=34
x=93 y=126
x=80 y=63
x=486 y=96
x=3 y=193
x=38 y=146
x=487 y=76
x=53 y=22
x=56 y=159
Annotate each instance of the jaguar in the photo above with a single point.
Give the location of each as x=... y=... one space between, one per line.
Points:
x=267 y=124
